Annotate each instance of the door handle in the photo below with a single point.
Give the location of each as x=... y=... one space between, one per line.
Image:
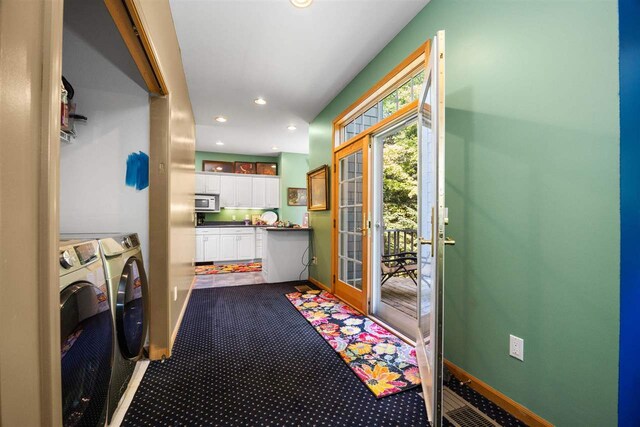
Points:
x=447 y=241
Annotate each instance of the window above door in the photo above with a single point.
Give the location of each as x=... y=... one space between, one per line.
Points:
x=388 y=100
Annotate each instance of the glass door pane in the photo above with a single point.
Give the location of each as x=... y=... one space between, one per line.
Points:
x=350 y=219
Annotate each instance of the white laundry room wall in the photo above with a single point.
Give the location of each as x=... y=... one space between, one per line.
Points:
x=93 y=194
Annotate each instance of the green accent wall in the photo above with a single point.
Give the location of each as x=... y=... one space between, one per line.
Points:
x=294 y=168
x=533 y=195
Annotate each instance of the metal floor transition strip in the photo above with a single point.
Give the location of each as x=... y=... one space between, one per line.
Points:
x=463 y=414
x=302 y=288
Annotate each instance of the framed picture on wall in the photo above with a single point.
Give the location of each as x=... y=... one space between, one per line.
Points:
x=318 y=189
x=296 y=196
x=216 y=166
x=244 y=167
x=264 y=168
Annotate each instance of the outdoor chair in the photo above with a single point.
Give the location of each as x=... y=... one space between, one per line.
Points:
x=399 y=264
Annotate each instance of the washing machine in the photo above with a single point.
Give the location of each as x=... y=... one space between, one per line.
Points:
x=86 y=334
x=127 y=284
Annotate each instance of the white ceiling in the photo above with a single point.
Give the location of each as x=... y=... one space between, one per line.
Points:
x=297 y=59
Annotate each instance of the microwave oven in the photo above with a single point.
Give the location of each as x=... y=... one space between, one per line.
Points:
x=207 y=203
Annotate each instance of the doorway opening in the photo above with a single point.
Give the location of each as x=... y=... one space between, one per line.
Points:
x=395 y=240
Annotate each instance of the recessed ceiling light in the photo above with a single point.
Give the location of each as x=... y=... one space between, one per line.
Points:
x=291 y=127
x=219 y=143
x=301 y=3
x=274 y=148
x=219 y=168
x=221 y=119
x=260 y=101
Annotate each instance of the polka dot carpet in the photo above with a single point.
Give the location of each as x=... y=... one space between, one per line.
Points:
x=244 y=356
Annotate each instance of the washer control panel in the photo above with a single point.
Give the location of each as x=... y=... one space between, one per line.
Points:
x=77 y=254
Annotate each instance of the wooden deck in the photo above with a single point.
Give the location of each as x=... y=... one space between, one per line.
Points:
x=401 y=293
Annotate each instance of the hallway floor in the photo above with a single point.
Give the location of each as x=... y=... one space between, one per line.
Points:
x=244 y=356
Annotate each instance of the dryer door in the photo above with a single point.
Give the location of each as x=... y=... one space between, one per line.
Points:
x=86 y=332
x=131 y=322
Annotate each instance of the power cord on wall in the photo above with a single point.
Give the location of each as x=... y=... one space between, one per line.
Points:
x=307 y=264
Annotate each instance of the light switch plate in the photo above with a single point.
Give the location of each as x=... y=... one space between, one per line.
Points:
x=516 y=347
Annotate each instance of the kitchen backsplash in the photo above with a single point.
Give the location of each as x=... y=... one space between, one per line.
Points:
x=228 y=214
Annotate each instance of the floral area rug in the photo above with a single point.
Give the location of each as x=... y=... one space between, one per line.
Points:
x=386 y=364
x=228 y=268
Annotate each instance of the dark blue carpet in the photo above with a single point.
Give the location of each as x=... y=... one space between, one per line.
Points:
x=244 y=356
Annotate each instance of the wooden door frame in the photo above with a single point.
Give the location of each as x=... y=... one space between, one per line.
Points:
x=33 y=69
x=422 y=52
x=363 y=143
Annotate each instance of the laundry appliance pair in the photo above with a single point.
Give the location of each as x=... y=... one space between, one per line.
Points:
x=103 y=322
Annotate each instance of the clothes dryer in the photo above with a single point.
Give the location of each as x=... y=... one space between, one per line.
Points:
x=127 y=283
x=86 y=334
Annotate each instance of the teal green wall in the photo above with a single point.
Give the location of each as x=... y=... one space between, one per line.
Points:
x=294 y=168
x=533 y=195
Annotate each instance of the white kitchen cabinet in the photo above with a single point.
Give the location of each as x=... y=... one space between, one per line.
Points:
x=207 y=244
x=285 y=254
x=272 y=192
x=259 y=189
x=218 y=244
x=201 y=183
x=212 y=184
x=228 y=191
x=228 y=247
x=241 y=191
x=259 y=234
x=211 y=247
x=246 y=246
x=199 y=248
x=244 y=191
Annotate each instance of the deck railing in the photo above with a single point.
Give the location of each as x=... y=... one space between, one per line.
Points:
x=400 y=240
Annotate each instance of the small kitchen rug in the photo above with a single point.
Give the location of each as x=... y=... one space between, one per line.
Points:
x=383 y=362
x=228 y=268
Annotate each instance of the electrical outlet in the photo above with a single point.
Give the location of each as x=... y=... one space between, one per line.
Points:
x=314 y=260
x=516 y=347
x=175 y=293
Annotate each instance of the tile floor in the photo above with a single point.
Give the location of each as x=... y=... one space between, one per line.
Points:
x=232 y=279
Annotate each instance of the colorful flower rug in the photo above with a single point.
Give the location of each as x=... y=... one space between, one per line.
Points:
x=386 y=364
x=228 y=268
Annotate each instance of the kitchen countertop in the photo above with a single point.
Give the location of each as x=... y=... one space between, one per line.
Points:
x=222 y=224
x=240 y=224
x=287 y=229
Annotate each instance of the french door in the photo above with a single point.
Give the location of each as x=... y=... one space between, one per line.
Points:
x=350 y=223
x=432 y=218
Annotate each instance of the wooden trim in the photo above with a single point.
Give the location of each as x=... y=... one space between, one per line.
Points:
x=48 y=213
x=401 y=66
x=354 y=295
x=319 y=284
x=519 y=411
x=184 y=309
x=127 y=20
x=157 y=353
x=148 y=47
x=398 y=116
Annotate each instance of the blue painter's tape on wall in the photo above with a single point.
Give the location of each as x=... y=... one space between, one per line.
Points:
x=137 y=171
